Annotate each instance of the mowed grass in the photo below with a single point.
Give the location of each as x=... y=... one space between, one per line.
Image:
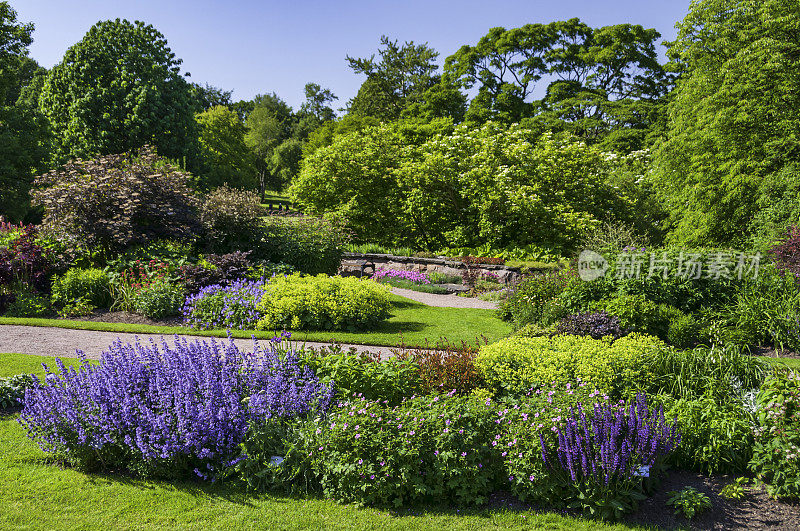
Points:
x=38 y=493
x=792 y=363
x=412 y=323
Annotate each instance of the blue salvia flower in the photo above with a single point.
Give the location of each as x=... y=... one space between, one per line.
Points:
x=611 y=444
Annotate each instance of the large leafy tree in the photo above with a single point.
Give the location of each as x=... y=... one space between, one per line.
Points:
x=433 y=186
x=269 y=123
x=23 y=131
x=400 y=76
x=728 y=169
x=225 y=157
x=117 y=89
x=603 y=84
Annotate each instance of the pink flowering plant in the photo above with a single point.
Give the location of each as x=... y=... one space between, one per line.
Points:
x=416 y=277
x=427 y=449
x=776 y=452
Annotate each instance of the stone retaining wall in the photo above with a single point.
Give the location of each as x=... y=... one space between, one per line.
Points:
x=366 y=264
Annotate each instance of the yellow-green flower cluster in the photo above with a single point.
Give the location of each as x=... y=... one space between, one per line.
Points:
x=517 y=364
x=322 y=302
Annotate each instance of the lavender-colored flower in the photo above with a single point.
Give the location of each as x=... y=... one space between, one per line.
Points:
x=232 y=305
x=167 y=404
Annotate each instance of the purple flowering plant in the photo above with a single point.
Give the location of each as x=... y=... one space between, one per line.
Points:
x=382 y=275
x=232 y=305
x=605 y=454
x=166 y=410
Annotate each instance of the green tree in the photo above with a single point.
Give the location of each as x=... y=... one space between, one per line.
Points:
x=604 y=84
x=269 y=124
x=208 y=96
x=225 y=157
x=15 y=37
x=117 y=89
x=354 y=178
x=23 y=131
x=728 y=169
x=400 y=77
x=430 y=185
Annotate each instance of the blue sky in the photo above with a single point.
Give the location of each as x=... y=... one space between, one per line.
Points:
x=260 y=46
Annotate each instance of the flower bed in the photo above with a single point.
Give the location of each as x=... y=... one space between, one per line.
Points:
x=271 y=420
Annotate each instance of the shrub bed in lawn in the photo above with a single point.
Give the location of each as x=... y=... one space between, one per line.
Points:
x=263 y=420
x=322 y=302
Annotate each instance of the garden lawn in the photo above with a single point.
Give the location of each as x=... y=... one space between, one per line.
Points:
x=411 y=323
x=39 y=494
x=792 y=363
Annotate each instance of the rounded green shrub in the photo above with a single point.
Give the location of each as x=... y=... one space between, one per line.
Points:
x=159 y=299
x=518 y=364
x=92 y=284
x=322 y=302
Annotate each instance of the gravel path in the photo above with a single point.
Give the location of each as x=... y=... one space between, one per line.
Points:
x=444 y=301
x=47 y=341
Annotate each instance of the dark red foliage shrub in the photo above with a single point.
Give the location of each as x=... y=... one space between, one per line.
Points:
x=25 y=261
x=786 y=252
x=228 y=267
x=594 y=324
x=446 y=367
x=118 y=201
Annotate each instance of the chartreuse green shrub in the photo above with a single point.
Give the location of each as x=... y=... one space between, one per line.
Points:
x=776 y=452
x=322 y=302
x=92 y=284
x=517 y=364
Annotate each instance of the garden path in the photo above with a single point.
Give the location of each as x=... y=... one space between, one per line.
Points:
x=445 y=301
x=47 y=341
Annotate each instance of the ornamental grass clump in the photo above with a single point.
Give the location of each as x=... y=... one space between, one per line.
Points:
x=165 y=411
x=225 y=306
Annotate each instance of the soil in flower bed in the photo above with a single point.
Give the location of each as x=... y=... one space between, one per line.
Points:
x=105 y=316
x=755 y=511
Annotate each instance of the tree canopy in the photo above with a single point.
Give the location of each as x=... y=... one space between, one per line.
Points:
x=23 y=131
x=728 y=167
x=117 y=89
